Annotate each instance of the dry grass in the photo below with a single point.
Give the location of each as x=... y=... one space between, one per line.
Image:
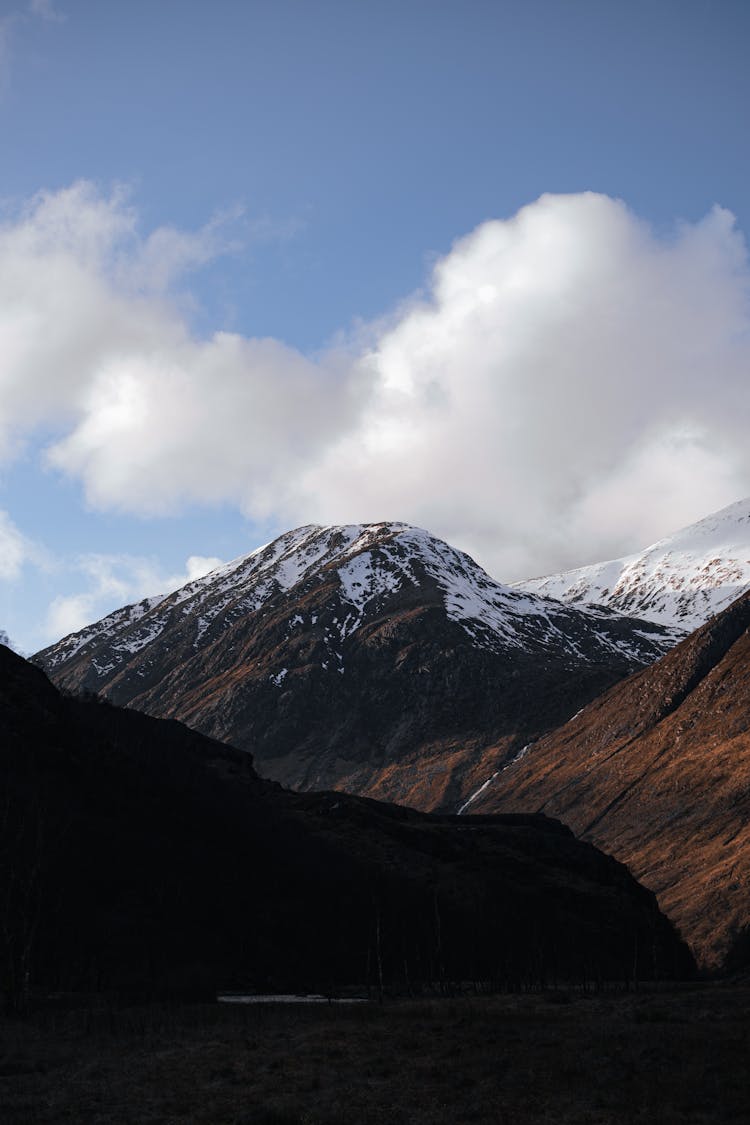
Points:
x=672 y=1057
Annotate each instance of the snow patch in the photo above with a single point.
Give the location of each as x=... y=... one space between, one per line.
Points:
x=478 y=792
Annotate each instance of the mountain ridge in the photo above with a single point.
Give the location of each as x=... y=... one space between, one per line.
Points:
x=345 y=656
x=680 y=581
x=290 y=558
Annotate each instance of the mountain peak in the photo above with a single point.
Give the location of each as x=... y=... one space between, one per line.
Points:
x=338 y=655
x=679 y=581
x=367 y=565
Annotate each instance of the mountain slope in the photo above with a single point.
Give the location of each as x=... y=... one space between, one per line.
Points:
x=139 y=856
x=680 y=581
x=375 y=659
x=657 y=773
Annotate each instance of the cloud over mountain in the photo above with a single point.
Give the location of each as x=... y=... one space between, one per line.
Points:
x=559 y=367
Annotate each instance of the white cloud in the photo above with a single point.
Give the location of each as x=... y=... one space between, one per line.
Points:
x=571 y=385
x=227 y=419
x=196 y=567
x=153 y=417
x=571 y=388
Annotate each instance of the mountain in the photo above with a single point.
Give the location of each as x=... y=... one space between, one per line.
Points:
x=680 y=581
x=657 y=773
x=371 y=658
x=141 y=858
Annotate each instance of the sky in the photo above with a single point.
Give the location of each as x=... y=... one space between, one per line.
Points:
x=477 y=266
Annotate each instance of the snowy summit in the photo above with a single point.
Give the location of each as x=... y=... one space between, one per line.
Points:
x=680 y=581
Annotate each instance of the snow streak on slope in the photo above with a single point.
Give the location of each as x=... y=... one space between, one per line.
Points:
x=366 y=567
x=681 y=581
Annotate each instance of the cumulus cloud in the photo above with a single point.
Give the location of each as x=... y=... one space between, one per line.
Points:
x=151 y=416
x=571 y=387
x=570 y=384
x=115 y=580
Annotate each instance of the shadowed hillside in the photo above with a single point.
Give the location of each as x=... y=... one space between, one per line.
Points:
x=142 y=857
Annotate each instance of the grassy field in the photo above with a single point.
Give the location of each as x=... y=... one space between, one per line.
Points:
x=668 y=1057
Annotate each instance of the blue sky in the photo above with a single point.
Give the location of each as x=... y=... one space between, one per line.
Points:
x=310 y=174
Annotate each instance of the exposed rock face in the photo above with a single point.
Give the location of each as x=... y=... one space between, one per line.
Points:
x=138 y=855
x=374 y=659
x=657 y=773
x=681 y=581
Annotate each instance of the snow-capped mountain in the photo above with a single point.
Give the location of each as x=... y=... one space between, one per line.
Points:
x=681 y=581
x=370 y=657
x=369 y=563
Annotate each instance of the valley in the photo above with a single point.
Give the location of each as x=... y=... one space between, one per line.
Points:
x=672 y=1056
x=377 y=660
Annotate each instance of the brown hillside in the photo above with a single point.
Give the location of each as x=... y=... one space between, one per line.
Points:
x=657 y=772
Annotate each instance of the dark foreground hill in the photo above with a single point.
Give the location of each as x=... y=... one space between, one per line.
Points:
x=657 y=772
x=140 y=856
x=374 y=659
